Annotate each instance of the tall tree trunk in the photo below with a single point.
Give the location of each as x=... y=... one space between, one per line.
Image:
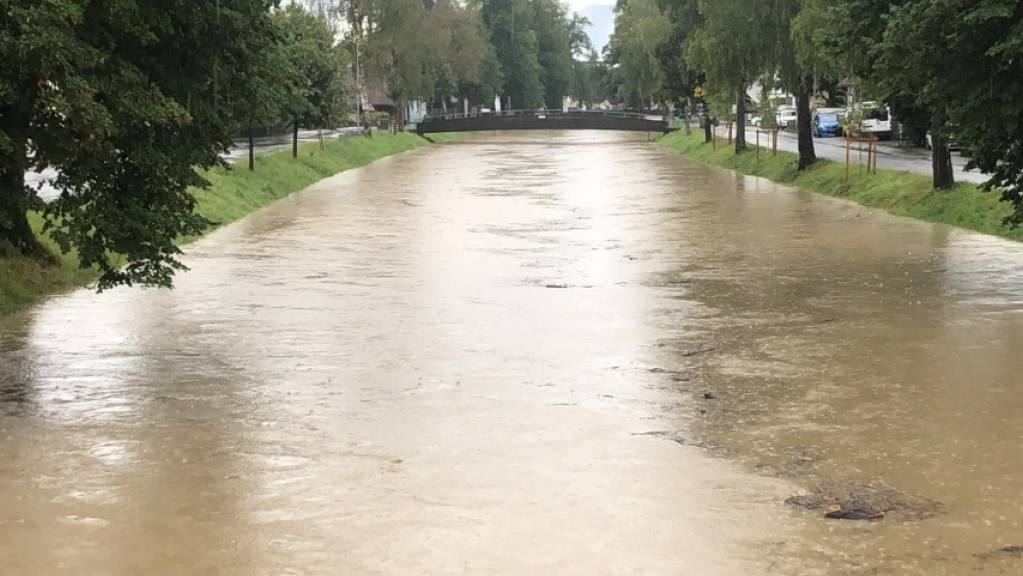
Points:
x=740 y=118
x=15 y=198
x=294 y=140
x=807 y=155
x=685 y=116
x=252 y=150
x=708 y=128
x=941 y=158
x=14 y=204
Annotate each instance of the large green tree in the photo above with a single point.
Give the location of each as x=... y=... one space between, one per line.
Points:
x=315 y=92
x=980 y=83
x=125 y=100
x=640 y=30
x=795 y=73
x=515 y=43
x=732 y=46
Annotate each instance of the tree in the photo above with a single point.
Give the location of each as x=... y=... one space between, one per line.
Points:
x=401 y=46
x=554 y=37
x=461 y=49
x=315 y=92
x=126 y=101
x=510 y=25
x=915 y=56
x=795 y=73
x=678 y=78
x=640 y=29
x=983 y=85
x=731 y=46
x=877 y=45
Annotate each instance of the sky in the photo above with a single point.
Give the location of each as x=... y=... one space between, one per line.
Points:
x=600 y=14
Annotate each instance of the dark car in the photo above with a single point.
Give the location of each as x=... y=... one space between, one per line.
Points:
x=826 y=124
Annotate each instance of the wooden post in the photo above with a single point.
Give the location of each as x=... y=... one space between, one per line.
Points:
x=774 y=144
x=758 y=144
x=846 y=159
x=729 y=131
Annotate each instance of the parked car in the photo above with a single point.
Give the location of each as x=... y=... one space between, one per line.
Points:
x=951 y=142
x=825 y=124
x=786 y=117
x=755 y=121
x=877 y=120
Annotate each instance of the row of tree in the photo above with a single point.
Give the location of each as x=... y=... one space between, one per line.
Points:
x=936 y=64
x=127 y=102
x=444 y=51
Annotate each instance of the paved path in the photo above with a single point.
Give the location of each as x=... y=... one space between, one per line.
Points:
x=891 y=158
x=263 y=145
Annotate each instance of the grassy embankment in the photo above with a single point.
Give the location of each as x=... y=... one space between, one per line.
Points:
x=231 y=195
x=900 y=193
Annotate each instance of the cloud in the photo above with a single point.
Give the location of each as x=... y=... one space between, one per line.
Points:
x=601 y=19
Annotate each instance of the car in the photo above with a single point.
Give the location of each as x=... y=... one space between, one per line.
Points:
x=786 y=117
x=951 y=142
x=877 y=120
x=825 y=124
x=755 y=121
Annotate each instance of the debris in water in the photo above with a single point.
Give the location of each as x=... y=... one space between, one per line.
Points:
x=689 y=353
x=853 y=511
x=667 y=434
x=849 y=500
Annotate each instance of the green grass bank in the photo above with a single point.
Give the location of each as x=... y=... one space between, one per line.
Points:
x=232 y=194
x=900 y=193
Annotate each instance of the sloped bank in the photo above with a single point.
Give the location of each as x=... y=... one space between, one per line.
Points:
x=232 y=194
x=897 y=192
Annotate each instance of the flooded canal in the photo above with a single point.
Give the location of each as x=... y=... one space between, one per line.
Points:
x=533 y=353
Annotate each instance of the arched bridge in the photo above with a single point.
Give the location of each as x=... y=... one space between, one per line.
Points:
x=546 y=120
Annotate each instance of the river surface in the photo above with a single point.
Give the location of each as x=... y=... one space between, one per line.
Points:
x=533 y=353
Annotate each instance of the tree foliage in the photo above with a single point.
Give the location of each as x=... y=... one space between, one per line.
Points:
x=125 y=100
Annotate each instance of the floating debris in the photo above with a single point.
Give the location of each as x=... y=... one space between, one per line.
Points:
x=849 y=500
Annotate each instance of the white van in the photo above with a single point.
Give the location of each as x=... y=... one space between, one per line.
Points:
x=786 y=116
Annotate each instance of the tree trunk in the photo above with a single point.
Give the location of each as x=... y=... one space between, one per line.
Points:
x=252 y=150
x=685 y=116
x=807 y=155
x=15 y=198
x=294 y=140
x=14 y=202
x=740 y=118
x=941 y=158
x=708 y=128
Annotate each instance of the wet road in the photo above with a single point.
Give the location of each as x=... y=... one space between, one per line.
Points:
x=889 y=158
x=41 y=181
x=491 y=357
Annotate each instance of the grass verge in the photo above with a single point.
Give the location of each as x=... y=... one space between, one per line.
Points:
x=232 y=194
x=900 y=193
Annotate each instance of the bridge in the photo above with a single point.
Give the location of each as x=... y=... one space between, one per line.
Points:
x=546 y=120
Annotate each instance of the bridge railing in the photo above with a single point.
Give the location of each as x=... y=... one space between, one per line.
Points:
x=547 y=113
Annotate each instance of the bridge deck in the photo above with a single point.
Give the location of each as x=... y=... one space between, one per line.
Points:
x=545 y=120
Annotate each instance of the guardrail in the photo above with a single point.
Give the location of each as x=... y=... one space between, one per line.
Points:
x=546 y=112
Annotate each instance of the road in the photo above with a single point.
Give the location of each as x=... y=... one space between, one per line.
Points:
x=890 y=157
x=40 y=181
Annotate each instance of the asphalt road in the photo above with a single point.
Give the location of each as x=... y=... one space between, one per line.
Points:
x=889 y=158
x=40 y=181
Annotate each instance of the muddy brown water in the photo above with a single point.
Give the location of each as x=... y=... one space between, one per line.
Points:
x=492 y=357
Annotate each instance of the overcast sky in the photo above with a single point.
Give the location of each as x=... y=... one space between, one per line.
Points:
x=600 y=15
